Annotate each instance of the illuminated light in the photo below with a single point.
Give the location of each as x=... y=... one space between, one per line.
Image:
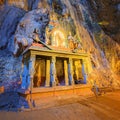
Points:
x=103 y=23
x=58 y=38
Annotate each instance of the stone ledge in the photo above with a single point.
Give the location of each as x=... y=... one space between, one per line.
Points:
x=52 y=89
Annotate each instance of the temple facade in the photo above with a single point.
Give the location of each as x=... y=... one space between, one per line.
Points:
x=58 y=63
x=45 y=66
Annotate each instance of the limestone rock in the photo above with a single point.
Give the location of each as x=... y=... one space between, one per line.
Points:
x=23 y=4
x=31 y=27
x=108 y=11
x=9 y=18
x=10 y=70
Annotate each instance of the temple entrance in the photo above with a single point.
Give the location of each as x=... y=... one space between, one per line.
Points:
x=40 y=71
x=77 y=72
x=61 y=69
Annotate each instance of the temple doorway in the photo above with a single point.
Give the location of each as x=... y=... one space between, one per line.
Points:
x=39 y=79
x=61 y=69
x=77 y=72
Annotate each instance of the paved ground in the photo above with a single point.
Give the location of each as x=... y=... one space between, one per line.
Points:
x=105 y=107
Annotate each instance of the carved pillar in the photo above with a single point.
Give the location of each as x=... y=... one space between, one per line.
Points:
x=89 y=65
x=70 y=71
x=52 y=71
x=31 y=71
x=84 y=72
x=47 y=73
x=24 y=76
x=66 y=72
x=76 y=69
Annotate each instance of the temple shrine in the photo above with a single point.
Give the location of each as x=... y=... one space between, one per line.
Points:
x=57 y=66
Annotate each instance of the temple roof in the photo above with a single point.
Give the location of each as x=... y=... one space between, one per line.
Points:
x=53 y=49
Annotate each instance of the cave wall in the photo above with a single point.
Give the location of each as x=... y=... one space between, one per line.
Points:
x=107 y=14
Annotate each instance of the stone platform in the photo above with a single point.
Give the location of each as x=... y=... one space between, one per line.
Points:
x=45 y=94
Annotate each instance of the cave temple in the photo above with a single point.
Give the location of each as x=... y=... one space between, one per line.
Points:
x=57 y=64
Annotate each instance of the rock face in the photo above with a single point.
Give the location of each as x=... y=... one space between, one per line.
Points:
x=23 y=4
x=31 y=28
x=94 y=24
x=9 y=18
x=10 y=70
x=107 y=15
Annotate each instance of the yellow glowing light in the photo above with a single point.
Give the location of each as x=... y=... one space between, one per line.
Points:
x=58 y=38
x=103 y=23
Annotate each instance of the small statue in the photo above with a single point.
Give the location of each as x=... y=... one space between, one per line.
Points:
x=35 y=36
